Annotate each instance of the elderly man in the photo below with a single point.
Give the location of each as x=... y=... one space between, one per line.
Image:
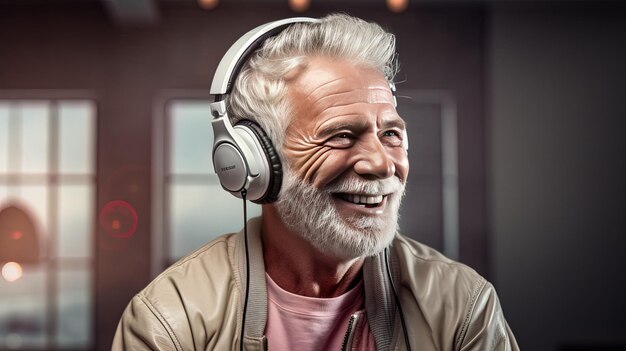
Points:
x=327 y=268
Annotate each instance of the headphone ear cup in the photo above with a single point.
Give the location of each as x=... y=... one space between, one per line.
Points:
x=275 y=166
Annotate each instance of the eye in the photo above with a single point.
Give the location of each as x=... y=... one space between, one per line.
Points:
x=341 y=140
x=392 y=137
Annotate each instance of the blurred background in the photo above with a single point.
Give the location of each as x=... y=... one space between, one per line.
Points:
x=515 y=111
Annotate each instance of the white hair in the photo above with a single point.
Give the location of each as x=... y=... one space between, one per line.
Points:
x=259 y=92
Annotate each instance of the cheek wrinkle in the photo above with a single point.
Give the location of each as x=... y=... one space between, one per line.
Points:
x=314 y=163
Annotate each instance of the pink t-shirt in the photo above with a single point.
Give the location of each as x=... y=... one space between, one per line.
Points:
x=302 y=323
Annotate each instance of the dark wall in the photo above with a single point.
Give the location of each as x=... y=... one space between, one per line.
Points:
x=74 y=45
x=557 y=171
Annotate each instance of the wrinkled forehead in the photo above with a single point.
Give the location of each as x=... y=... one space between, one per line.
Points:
x=350 y=90
x=326 y=83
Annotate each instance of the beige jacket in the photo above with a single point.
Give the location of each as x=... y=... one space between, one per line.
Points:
x=196 y=304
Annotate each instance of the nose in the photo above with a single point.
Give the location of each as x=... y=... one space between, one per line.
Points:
x=374 y=162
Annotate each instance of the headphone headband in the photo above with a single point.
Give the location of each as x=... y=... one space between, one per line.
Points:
x=237 y=55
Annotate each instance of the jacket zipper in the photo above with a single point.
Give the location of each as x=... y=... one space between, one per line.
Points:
x=347 y=338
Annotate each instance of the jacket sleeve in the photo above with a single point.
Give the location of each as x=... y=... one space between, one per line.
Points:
x=486 y=328
x=143 y=328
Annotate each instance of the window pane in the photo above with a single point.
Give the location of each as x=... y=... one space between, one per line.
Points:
x=34 y=137
x=75 y=221
x=4 y=137
x=74 y=303
x=23 y=310
x=76 y=136
x=191 y=137
x=34 y=200
x=200 y=213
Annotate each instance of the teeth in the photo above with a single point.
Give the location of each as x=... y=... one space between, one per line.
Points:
x=363 y=199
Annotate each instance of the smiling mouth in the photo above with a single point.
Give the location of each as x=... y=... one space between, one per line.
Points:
x=369 y=201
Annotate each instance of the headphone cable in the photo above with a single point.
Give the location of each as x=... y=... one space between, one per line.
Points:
x=397 y=299
x=245 y=238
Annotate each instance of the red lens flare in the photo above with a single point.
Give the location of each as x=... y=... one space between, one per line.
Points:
x=119 y=219
x=16 y=235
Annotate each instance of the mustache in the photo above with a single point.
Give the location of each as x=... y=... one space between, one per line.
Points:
x=355 y=185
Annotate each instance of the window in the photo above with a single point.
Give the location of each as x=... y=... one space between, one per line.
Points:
x=47 y=178
x=188 y=197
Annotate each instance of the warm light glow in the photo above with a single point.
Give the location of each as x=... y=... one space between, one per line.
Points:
x=208 y=4
x=16 y=235
x=12 y=271
x=299 y=5
x=116 y=224
x=397 y=5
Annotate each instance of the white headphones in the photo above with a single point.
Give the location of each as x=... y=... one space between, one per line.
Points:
x=243 y=156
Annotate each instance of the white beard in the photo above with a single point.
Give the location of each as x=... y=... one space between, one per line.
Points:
x=311 y=213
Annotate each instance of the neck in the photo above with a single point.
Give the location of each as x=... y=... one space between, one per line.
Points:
x=296 y=266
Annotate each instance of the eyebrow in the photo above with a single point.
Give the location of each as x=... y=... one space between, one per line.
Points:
x=394 y=123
